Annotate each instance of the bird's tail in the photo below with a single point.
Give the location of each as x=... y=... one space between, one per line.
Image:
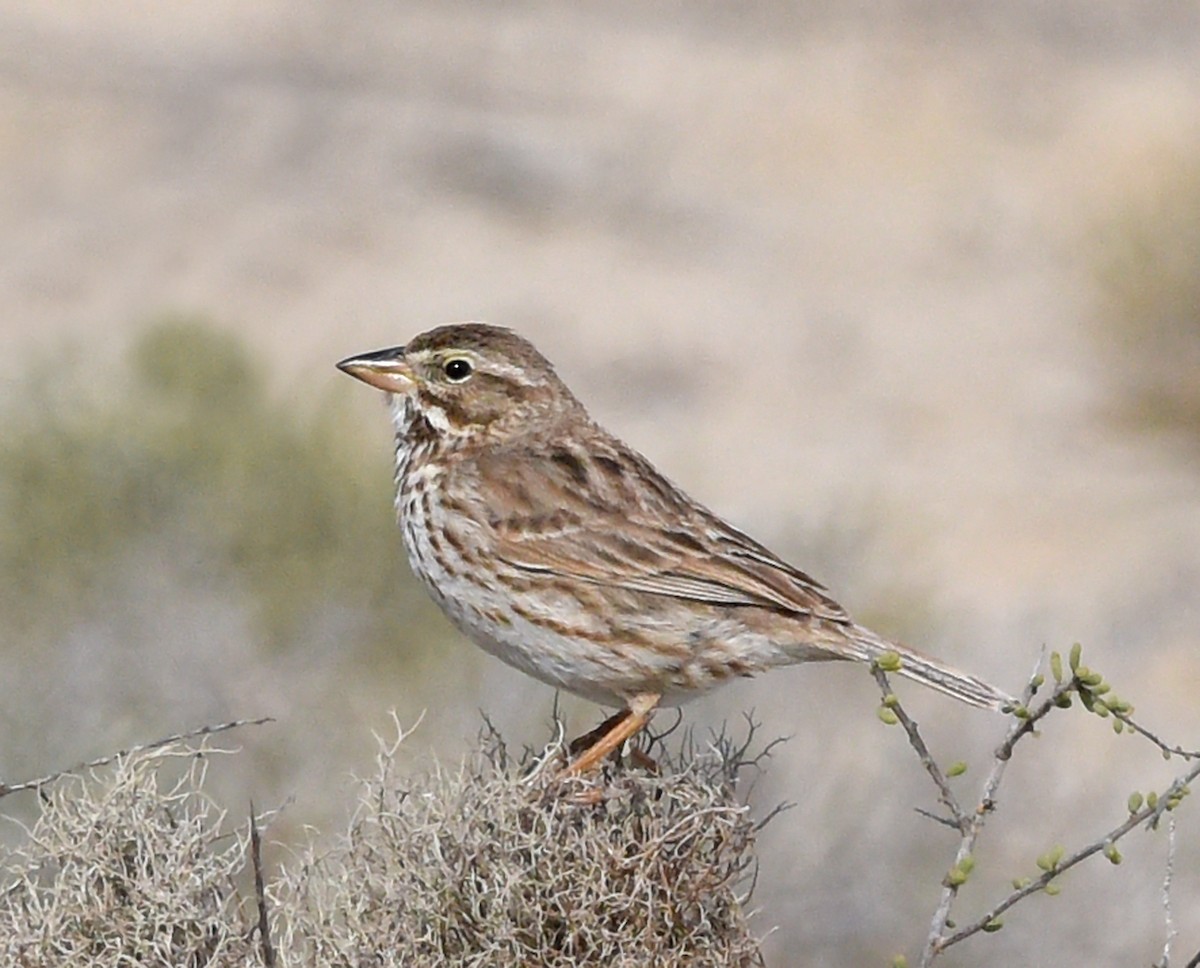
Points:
x=930 y=672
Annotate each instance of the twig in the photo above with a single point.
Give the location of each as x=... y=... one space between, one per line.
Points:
x=260 y=893
x=1163 y=745
x=1027 y=723
x=1166 y=895
x=935 y=941
x=959 y=820
x=1150 y=815
x=6 y=789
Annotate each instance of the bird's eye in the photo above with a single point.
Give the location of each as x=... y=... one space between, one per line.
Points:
x=457 y=369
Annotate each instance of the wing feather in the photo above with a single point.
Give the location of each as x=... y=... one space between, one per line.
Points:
x=614 y=521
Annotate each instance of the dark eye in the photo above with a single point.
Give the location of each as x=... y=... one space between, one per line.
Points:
x=457 y=369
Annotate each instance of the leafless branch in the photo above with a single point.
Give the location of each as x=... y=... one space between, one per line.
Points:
x=1168 y=875
x=260 y=893
x=6 y=789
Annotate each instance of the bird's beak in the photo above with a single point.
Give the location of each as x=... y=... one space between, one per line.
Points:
x=384 y=369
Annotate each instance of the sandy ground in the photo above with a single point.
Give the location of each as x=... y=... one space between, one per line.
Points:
x=833 y=272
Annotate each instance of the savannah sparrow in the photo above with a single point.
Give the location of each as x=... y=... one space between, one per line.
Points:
x=561 y=550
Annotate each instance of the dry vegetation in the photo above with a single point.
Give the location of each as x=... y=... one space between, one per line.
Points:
x=493 y=863
x=489 y=865
x=497 y=861
x=133 y=865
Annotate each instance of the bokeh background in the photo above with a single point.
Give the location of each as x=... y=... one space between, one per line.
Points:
x=911 y=291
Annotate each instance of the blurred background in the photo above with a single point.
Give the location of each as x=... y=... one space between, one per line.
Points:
x=911 y=292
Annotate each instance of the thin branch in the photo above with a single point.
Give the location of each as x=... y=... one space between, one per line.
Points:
x=1150 y=815
x=1168 y=920
x=944 y=821
x=260 y=893
x=6 y=789
x=1163 y=745
x=1028 y=723
x=959 y=820
x=935 y=941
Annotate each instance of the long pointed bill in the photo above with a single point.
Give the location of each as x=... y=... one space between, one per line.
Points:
x=383 y=369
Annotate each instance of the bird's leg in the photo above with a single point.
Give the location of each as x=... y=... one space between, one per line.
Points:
x=589 y=739
x=623 y=725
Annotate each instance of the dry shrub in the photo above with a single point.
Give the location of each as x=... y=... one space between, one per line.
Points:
x=123 y=869
x=494 y=863
x=486 y=865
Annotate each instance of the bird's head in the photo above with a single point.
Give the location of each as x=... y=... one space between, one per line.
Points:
x=467 y=381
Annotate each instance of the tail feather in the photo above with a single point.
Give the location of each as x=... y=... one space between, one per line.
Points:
x=930 y=672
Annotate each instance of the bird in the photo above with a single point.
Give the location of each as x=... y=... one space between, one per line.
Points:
x=561 y=550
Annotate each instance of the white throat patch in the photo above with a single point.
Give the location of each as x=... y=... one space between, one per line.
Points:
x=437 y=418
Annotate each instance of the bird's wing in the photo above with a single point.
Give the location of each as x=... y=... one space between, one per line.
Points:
x=609 y=518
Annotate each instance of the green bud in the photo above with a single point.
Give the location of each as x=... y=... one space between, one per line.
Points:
x=1092 y=680
x=1056 y=666
x=1166 y=754
x=1063 y=701
x=1020 y=883
x=1037 y=682
x=899 y=962
x=889 y=661
x=955 y=877
x=1076 y=654
x=994 y=925
x=957 y=768
x=1053 y=889
x=1049 y=860
x=1135 y=802
x=1152 y=800
x=1113 y=855
x=886 y=716
x=1118 y=726
x=891 y=700
x=1021 y=712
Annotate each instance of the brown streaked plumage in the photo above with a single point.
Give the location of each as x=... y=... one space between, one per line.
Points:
x=561 y=550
